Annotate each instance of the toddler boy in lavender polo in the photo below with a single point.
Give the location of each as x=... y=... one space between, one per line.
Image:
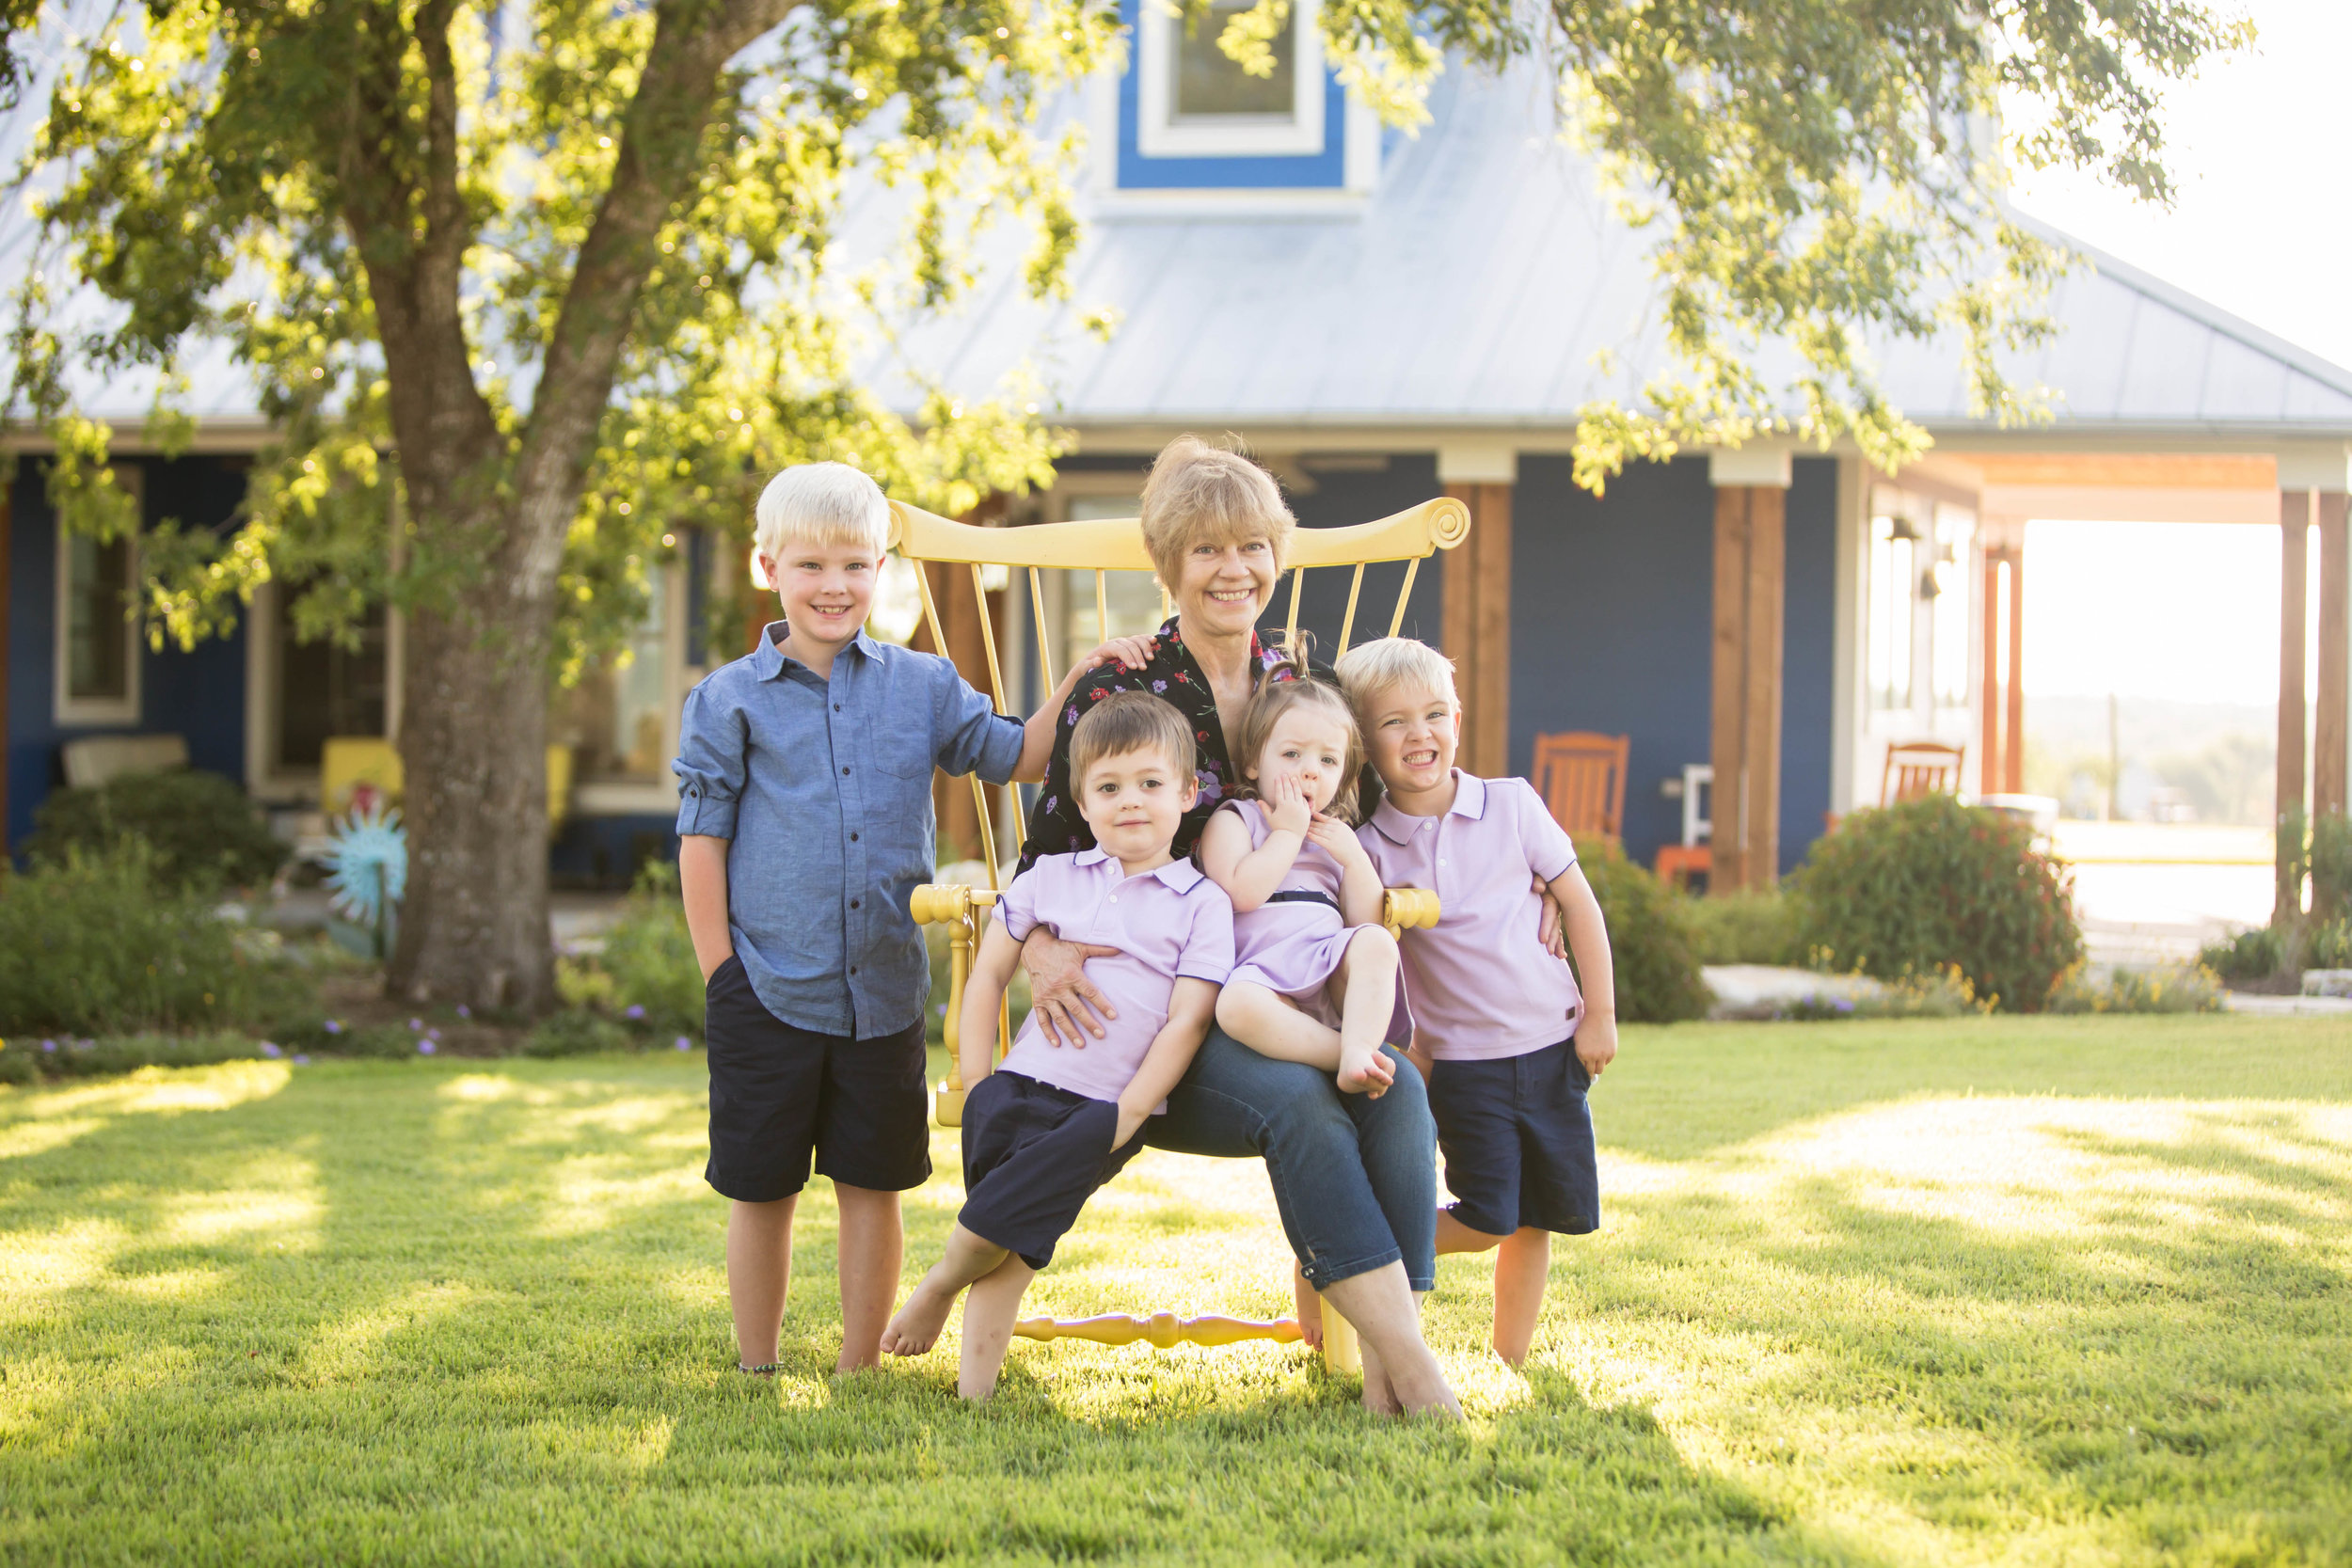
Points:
x=1050 y=1125
x=1507 y=1042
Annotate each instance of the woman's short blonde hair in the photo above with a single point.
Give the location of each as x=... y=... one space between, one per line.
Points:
x=823 y=504
x=1203 y=494
x=1369 y=669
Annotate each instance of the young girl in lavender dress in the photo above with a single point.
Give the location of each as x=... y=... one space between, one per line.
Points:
x=1315 y=974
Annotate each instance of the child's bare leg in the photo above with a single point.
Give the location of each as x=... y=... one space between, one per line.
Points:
x=1454 y=1236
x=1269 y=1024
x=915 y=1328
x=872 y=1245
x=1521 y=1265
x=759 y=1274
x=1310 y=1309
x=1368 y=974
x=989 y=1315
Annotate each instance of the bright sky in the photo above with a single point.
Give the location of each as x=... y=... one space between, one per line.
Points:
x=2263 y=230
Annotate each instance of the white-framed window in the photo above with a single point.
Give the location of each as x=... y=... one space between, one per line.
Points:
x=1194 y=102
x=97 y=638
x=1894 y=595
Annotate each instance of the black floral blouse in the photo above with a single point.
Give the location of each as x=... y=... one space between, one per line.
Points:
x=1056 y=826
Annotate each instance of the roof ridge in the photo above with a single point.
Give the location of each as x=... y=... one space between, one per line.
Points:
x=2172 y=296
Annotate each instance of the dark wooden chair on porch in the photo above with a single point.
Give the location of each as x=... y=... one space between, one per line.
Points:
x=1918 y=769
x=1580 y=775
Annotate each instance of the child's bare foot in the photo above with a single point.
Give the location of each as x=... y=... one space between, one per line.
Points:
x=1367 y=1073
x=915 y=1328
x=1310 y=1309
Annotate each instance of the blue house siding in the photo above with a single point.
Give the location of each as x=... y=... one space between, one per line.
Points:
x=1808 y=653
x=199 y=694
x=1611 y=624
x=1326 y=170
x=1339 y=499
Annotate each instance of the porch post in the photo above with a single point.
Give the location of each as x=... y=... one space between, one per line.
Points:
x=2014 y=746
x=2329 y=773
x=1751 y=564
x=1476 y=590
x=1989 y=775
x=2294 y=528
x=7 y=550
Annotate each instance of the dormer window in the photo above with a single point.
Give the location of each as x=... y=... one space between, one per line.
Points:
x=1197 y=103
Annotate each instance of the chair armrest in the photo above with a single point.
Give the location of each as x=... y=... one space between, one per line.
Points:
x=1403 y=908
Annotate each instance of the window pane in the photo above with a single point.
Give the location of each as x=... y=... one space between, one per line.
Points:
x=618 y=715
x=1955 y=531
x=1893 y=591
x=326 y=689
x=1207 y=82
x=98 y=630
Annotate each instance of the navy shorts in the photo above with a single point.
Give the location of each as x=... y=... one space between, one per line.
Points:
x=1516 y=1133
x=780 y=1095
x=1033 y=1154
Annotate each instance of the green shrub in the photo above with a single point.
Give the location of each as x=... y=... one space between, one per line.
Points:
x=99 y=944
x=2330 y=860
x=2177 y=989
x=205 y=833
x=1910 y=888
x=646 y=974
x=1649 y=937
x=27 y=1060
x=2251 y=955
x=1939 y=994
x=1746 y=929
x=575 y=1033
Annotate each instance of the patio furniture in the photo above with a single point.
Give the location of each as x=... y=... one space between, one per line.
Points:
x=1103 y=545
x=1580 y=775
x=1917 y=768
x=366 y=769
x=1679 y=862
x=99 y=758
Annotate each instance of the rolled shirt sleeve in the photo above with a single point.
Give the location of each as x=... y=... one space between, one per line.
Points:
x=710 y=766
x=971 y=735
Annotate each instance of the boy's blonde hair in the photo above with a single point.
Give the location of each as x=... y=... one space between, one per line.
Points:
x=822 y=504
x=1200 y=494
x=1128 y=721
x=1275 y=698
x=1369 y=669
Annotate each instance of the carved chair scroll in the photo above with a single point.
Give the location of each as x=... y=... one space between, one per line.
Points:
x=1102 y=546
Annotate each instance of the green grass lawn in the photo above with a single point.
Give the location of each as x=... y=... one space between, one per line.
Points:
x=2064 y=1290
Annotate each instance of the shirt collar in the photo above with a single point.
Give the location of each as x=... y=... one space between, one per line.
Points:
x=769 y=659
x=1470 y=800
x=1177 y=875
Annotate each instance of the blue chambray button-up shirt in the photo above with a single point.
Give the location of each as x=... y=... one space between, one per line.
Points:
x=824 y=788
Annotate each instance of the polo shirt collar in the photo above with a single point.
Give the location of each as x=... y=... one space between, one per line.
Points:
x=1177 y=875
x=1470 y=800
x=768 y=659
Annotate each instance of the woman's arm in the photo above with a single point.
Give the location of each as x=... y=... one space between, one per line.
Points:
x=1191 y=1006
x=702 y=879
x=983 y=994
x=1588 y=939
x=1248 y=875
x=1037 y=735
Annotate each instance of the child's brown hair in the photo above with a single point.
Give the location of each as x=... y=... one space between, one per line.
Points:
x=1128 y=721
x=1276 y=697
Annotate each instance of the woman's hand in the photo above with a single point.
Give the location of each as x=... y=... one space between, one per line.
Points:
x=1064 y=1002
x=1133 y=652
x=1286 y=808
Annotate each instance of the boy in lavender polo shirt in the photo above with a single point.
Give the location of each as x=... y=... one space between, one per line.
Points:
x=1500 y=1032
x=1049 y=1126
x=804 y=822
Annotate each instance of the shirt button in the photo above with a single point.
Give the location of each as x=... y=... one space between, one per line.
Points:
x=844 y=772
x=853 y=838
x=836 y=707
x=854 y=903
x=853 y=969
x=1440 y=860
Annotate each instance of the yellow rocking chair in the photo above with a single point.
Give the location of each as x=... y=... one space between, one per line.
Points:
x=1102 y=546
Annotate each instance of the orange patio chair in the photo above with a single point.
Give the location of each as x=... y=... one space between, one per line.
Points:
x=1582 y=778
x=1917 y=768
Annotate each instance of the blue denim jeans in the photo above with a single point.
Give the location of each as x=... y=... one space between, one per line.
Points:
x=1356 y=1178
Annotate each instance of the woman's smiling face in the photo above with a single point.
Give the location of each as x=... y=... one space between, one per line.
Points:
x=1221 y=588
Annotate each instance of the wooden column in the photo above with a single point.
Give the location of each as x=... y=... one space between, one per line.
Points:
x=1476 y=628
x=8 y=552
x=2329 y=692
x=1751 y=562
x=2293 y=544
x=1989 y=774
x=2014 y=746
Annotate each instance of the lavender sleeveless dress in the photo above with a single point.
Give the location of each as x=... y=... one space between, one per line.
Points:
x=1294 y=942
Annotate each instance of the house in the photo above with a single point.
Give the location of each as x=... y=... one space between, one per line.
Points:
x=1383 y=318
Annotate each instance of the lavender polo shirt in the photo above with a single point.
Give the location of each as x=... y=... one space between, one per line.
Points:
x=1168 y=923
x=1482 y=985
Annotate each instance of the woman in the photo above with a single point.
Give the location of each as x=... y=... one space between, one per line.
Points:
x=1354 y=1177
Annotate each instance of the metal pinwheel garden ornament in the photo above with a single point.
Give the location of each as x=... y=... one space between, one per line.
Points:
x=367 y=872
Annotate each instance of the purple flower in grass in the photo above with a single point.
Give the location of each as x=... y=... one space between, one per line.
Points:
x=633 y=1012
x=433 y=1034
x=415 y=1025
x=464 y=1011
x=49 y=1045
x=334 y=1026
x=301 y=1060
x=272 y=1049
x=426 y=1048
x=685 y=1044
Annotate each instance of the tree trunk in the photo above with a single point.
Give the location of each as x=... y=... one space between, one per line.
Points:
x=473 y=925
